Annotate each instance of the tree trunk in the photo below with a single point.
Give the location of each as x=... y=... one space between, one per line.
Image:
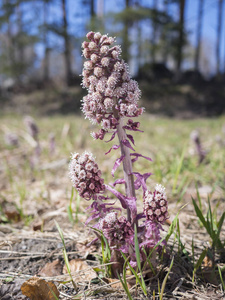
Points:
x=19 y=44
x=92 y=8
x=126 y=42
x=180 y=43
x=154 y=31
x=20 y=33
x=45 y=41
x=219 y=31
x=164 y=36
x=199 y=34
x=10 y=43
x=67 y=53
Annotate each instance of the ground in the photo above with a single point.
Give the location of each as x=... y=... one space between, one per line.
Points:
x=35 y=191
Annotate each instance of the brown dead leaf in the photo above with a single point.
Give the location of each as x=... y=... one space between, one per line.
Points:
x=209 y=276
x=38 y=289
x=80 y=270
x=51 y=269
x=207 y=262
x=12 y=213
x=86 y=247
x=38 y=225
x=115 y=284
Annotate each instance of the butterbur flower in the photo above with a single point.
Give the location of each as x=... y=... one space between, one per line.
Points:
x=85 y=175
x=31 y=127
x=105 y=75
x=11 y=139
x=118 y=231
x=112 y=96
x=196 y=139
x=155 y=205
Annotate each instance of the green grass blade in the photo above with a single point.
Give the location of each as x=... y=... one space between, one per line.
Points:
x=199 y=262
x=219 y=225
x=138 y=257
x=148 y=261
x=65 y=255
x=193 y=250
x=60 y=233
x=132 y=270
x=210 y=220
x=125 y=287
x=200 y=216
x=165 y=280
x=221 y=278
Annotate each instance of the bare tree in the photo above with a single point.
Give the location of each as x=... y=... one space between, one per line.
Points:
x=199 y=34
x=164 y=35
x=126 y=41
x=45 y=42
x=92 y=6
x=154 y=30
x=67 y=54
x=181 y=41
x=219 y=36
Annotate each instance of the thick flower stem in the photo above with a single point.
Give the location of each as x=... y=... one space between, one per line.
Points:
x=127 y=165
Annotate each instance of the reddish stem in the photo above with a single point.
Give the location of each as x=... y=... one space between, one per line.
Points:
x=127 y=165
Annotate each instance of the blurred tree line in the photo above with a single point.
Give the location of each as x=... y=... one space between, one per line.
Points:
x=151 y=34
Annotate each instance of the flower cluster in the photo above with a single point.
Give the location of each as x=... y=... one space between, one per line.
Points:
x=155 y=205
x=118 y=231
x=85 y=175
x=111 y=91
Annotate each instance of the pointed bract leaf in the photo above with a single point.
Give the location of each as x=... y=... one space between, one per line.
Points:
x=119 y=196
x=112 y=137
x=127 y=144
x=137 y=155
x=119 y=181
x=117 y=163
x=141 y=180
x=130 y=137
x=114 y=147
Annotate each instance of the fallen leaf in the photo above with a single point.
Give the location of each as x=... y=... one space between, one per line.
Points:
x=38 y=225
x=51 y=269
x=115 y=283
x=209 y=275
x=207 y=262
x=80 y=270
x=86 y=247
x=38 y=289
x=12 y=214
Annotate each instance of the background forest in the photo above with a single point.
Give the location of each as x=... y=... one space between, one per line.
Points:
x=177 y=44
